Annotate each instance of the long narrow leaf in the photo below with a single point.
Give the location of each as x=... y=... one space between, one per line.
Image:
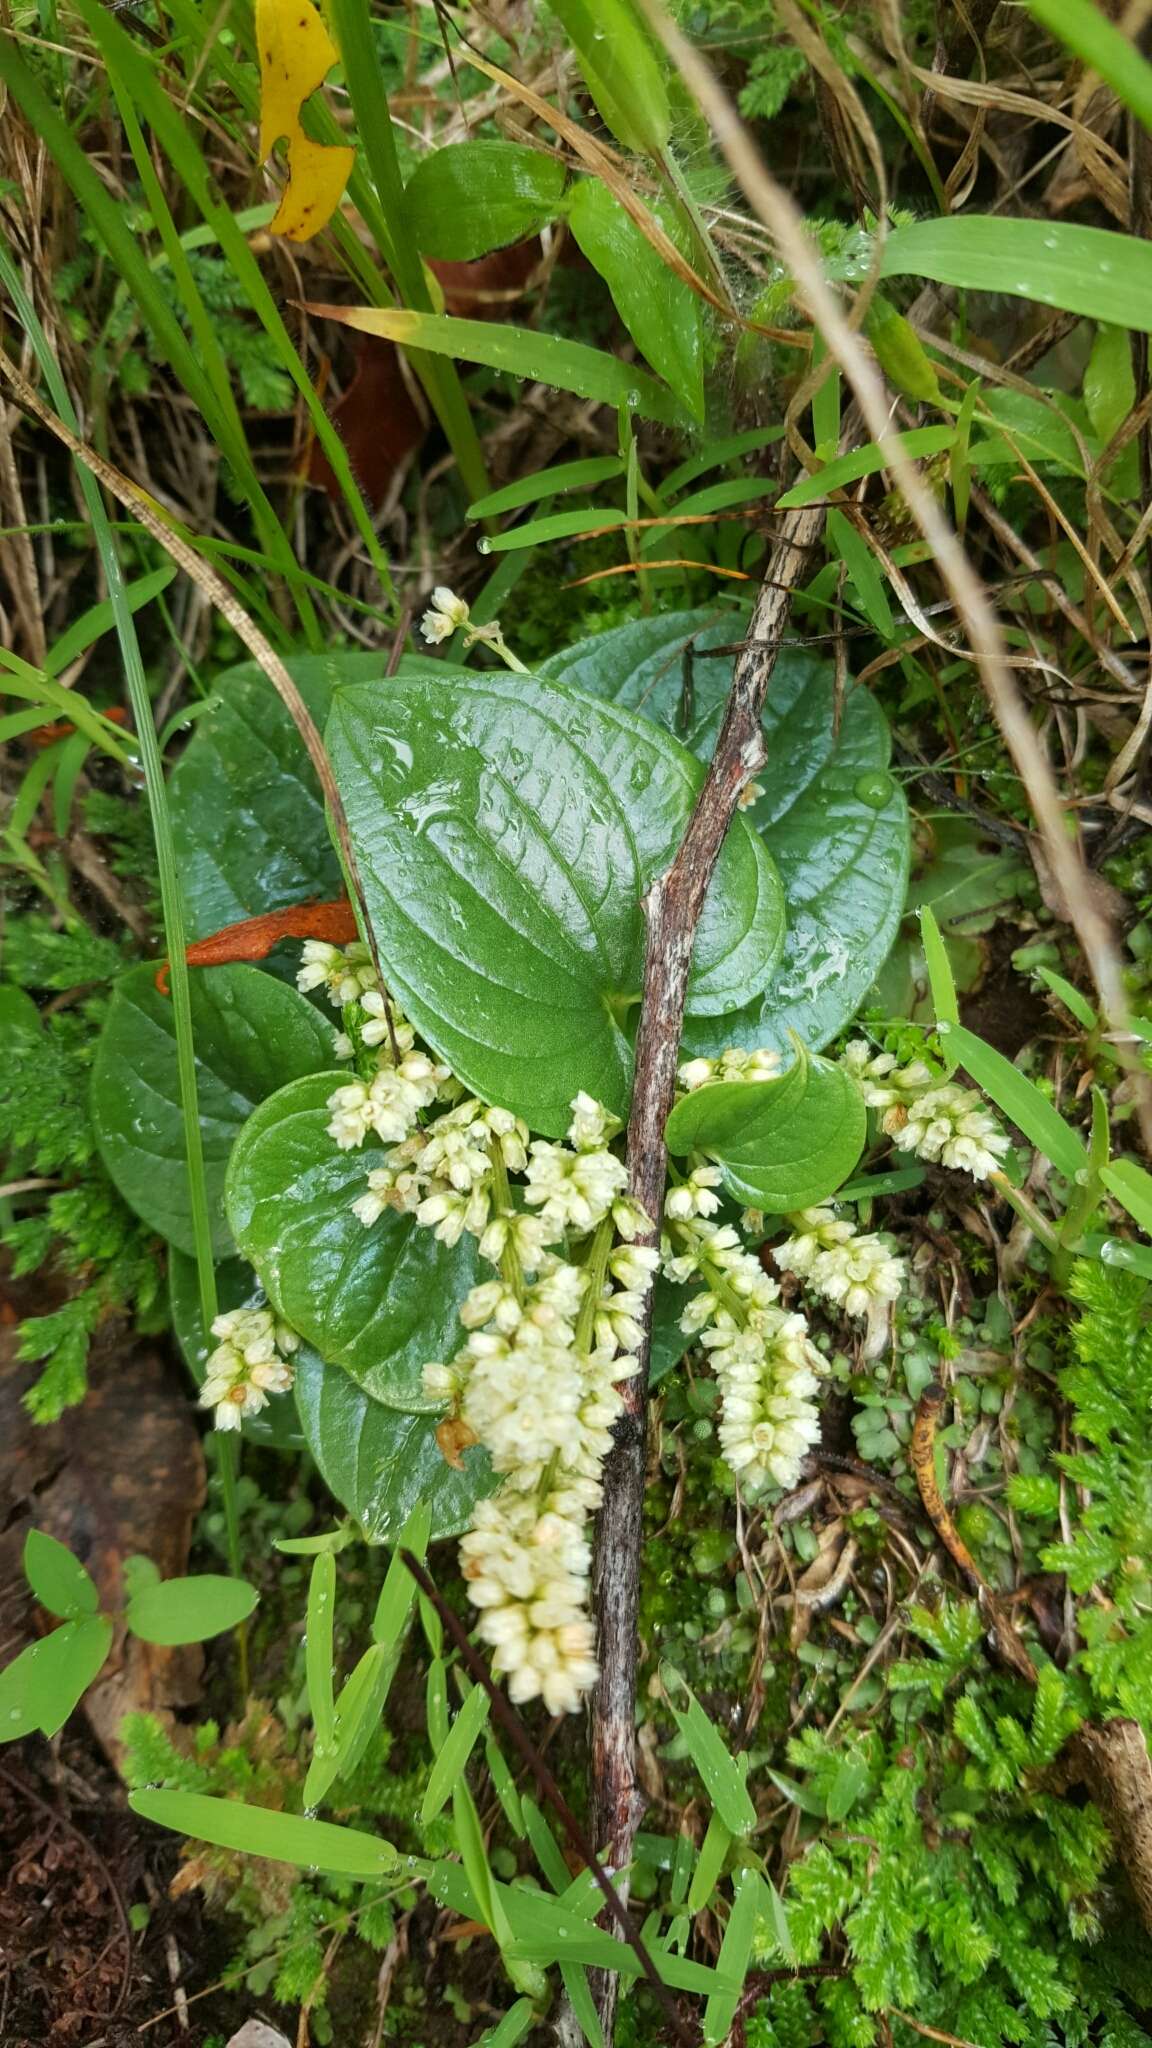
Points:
x=1020 y=1100
x=848 y=469
x=1092 y=271
x=539 y=358
x=454 y=1753
x=287 y=1837
x=1105 y=49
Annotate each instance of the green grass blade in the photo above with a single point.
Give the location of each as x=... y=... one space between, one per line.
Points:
x=537 y=358
x=353 y=30
x=1092 y=271
x=129 y=66
x=171 y=899
x=848 y=469
x=547 y=483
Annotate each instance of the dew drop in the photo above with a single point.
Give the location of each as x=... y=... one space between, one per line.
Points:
x=875 y=789
x=484 y=545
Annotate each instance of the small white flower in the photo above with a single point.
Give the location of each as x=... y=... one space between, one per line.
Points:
x=246 y=1365
x=951 y=1125
x=750 y=794
x=695 y=1074
x=444 y=616
x=695 y=1197
x=853 y=1269
x=526 y=1235
x=573 y=1190
x=591 y=1127
x=635 y=1266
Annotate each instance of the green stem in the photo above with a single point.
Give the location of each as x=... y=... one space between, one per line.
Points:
x=1028 y=1213
x=687 y=207
x=596 y=1266
x=171 y=899
x=510 y=1269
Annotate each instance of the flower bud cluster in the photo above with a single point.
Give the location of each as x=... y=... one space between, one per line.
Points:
x=853 y=1269
x=764 y=1361
x=537 y=1382
x=248 y=1364
x=733 y=1065
x=937 y=1120
x=549 y=1342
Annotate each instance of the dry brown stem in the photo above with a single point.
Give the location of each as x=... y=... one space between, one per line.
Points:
x=672 y=909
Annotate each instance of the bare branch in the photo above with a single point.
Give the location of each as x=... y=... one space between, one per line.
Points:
x=672 y=908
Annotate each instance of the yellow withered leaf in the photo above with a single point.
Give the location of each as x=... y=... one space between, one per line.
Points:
x=296 y=55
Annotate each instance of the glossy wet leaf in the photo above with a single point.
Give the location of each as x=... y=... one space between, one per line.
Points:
x=296 y=55
x=469 y=197
x=40 y=1688
x=319 y=1626
x=236 y=1287
x=58 y=1579
x=247 y=815
x=543 y=358
x=357 y=1715
x=379 y=1300
x=547 y=483
x=1091 y=271
x=381 y=1462
x=659 y=310
x=258 y=1831
x=781 y=1144
x=833 y=819
x=172 y=1611
x=506 y=831
x=252 y=1034
x=866 y=461
x=1132 y=1185
x=621 y=70
x=454 y=1752
x=723 y=1777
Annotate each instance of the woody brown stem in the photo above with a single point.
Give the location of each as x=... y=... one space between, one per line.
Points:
x=672 y=909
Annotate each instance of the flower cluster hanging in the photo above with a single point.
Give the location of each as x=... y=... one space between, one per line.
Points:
x=249 y=1363
x=551 y=1338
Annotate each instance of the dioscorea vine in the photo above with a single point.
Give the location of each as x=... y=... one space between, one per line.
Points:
x=551 y=1337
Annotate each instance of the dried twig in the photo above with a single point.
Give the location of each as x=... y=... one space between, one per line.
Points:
x=781 y=216
x=672 y=908
x=922 y=1455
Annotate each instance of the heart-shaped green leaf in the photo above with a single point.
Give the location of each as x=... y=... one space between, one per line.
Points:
x=247 y=814
x=382 y=1462
x=380 y=1301
x=781 y=1144
x=506 y=831
x=832 y=818
x=251 y=1035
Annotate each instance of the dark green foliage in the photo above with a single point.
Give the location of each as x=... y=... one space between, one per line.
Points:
x=1108 y=1390
x=81 y=1228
